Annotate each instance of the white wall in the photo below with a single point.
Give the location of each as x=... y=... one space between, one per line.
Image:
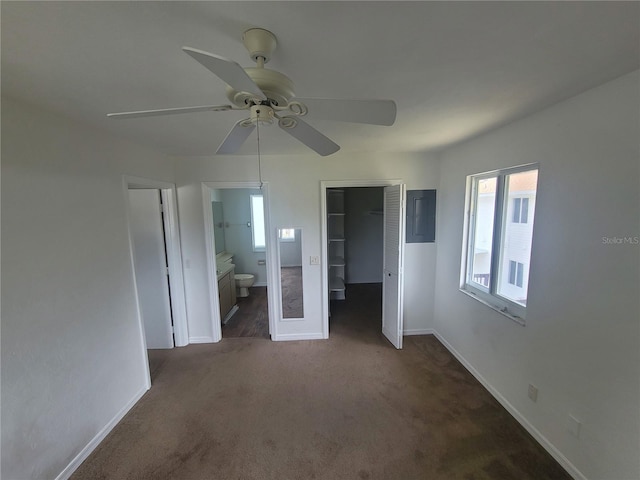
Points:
x=71 y=339
x=580 y=345
x=294 y=188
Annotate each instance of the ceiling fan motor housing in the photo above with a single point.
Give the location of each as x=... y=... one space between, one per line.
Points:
x=277 y=87
x=260 y=43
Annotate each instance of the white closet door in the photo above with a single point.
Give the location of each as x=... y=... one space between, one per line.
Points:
x=150 y=264
x=392 y=283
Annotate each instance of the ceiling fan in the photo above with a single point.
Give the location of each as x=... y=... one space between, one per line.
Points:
x=269 y=96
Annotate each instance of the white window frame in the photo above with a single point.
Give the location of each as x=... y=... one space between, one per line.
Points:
x=489 y=295
x=256 y=224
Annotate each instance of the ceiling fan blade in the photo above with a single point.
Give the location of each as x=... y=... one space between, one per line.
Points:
x=236 y=137
x=170 y=111
x=227 y=70
x=374 y=112
x=308 y=135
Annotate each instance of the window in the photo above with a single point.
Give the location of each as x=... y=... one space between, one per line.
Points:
x=520 y=210
x=257 y=223
x=288 y=234
x=516 y=270
x=500 y=231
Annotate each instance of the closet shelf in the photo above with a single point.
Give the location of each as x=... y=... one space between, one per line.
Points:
x=337 y=262
x=336 y=240
x=336 y=284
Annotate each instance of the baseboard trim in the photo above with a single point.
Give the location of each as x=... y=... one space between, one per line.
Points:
x=286 y=337
x=201 y=340
x=260 y=284
x=515 y=413
x=231 y=313
x=100 y=436
x=418 y=331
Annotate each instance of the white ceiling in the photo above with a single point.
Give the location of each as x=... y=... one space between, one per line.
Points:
x=455 y=69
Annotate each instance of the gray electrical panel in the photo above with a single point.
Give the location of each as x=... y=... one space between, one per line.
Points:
x=421 y=216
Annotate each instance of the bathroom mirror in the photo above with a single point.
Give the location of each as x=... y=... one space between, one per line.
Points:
x=218 y=226
x=290 y=249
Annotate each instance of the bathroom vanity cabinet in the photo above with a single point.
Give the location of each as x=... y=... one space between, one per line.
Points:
x=226 y=292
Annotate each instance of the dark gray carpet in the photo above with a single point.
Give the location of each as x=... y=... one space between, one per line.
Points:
x=351 y=407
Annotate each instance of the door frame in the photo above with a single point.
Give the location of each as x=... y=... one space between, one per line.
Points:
x=214 y=302
x=324 y=185
x=174 y=259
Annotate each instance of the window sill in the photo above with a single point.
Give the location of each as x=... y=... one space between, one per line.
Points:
x=501 y=311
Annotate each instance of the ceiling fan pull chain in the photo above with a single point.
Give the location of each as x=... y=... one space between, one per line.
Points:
x=259 y=157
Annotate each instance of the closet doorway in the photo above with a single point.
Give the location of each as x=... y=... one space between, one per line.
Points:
x=363 y=247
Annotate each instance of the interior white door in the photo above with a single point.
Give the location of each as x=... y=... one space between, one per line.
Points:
x=151 y=267
x=392 y=284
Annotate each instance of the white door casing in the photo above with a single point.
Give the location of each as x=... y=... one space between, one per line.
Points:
x=150 y=267
x=392 y=282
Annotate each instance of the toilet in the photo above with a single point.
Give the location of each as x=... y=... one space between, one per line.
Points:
x=243 y=282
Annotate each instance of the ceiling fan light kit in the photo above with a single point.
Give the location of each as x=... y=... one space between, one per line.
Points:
x=262 y=114
x=269 y=95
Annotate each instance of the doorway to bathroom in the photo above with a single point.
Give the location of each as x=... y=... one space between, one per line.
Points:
x=238 y=252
